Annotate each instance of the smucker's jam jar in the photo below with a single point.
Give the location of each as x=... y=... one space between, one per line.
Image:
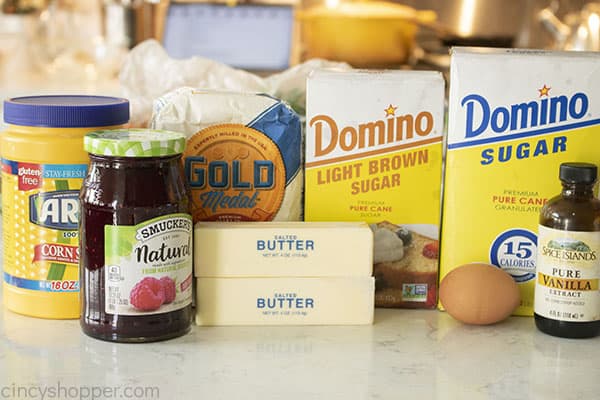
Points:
x=136 y=237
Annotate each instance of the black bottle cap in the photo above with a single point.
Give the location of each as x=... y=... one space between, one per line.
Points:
x=576 y=172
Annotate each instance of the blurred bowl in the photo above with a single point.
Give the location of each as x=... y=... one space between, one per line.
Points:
x=364 y=34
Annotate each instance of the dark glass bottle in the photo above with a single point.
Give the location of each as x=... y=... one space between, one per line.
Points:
x=123 y=199
x=566 y=294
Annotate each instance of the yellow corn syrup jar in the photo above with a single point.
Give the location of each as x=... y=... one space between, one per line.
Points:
x=43 y=166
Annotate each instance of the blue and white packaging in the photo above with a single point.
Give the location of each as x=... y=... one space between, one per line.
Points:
x=243 y=159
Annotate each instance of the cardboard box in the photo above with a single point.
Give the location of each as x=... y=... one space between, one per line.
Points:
x=514 y=117
x=374 y=154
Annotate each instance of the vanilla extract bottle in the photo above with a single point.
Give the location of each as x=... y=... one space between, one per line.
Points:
x=567 y=300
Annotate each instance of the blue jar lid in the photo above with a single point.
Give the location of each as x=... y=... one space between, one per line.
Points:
x=68 y=111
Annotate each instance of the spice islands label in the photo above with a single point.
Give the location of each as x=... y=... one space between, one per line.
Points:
x=568 y=273
x=235 y=173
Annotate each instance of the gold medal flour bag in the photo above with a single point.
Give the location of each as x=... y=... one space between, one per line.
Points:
x=243 y=154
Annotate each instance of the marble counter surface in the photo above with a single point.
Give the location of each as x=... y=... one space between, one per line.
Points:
x=406 y=354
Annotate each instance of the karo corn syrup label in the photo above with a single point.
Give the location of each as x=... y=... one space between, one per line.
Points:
x=40 y=212
x=514 y=117
x=240 y=172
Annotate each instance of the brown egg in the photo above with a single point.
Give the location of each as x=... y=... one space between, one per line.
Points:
x=479 y=294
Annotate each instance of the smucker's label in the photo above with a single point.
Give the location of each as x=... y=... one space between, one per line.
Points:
x=148 y=266
x=236 y=173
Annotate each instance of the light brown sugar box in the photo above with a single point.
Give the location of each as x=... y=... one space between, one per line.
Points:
x=479 y=294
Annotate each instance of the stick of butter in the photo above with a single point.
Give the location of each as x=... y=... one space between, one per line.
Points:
x=277 y=249
x=285 y=301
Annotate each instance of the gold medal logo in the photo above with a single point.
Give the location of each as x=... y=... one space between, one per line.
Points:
x=235 y=173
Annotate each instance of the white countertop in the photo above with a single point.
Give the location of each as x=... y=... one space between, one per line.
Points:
x=413 y=354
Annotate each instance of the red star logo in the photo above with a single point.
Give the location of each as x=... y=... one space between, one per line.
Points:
x=545 y=91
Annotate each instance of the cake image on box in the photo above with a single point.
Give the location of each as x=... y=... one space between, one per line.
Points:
x=514 y=117
x=374 y=154
x=405 y=270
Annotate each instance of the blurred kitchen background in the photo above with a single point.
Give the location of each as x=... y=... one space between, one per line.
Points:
x=79 y=45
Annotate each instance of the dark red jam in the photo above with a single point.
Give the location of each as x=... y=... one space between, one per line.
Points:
x=127 y=191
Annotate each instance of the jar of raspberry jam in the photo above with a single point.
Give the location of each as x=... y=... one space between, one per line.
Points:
x=136 y=237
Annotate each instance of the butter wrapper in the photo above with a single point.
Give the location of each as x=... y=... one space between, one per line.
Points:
x=243 y=155
x=278 y=249
x=285 y=301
